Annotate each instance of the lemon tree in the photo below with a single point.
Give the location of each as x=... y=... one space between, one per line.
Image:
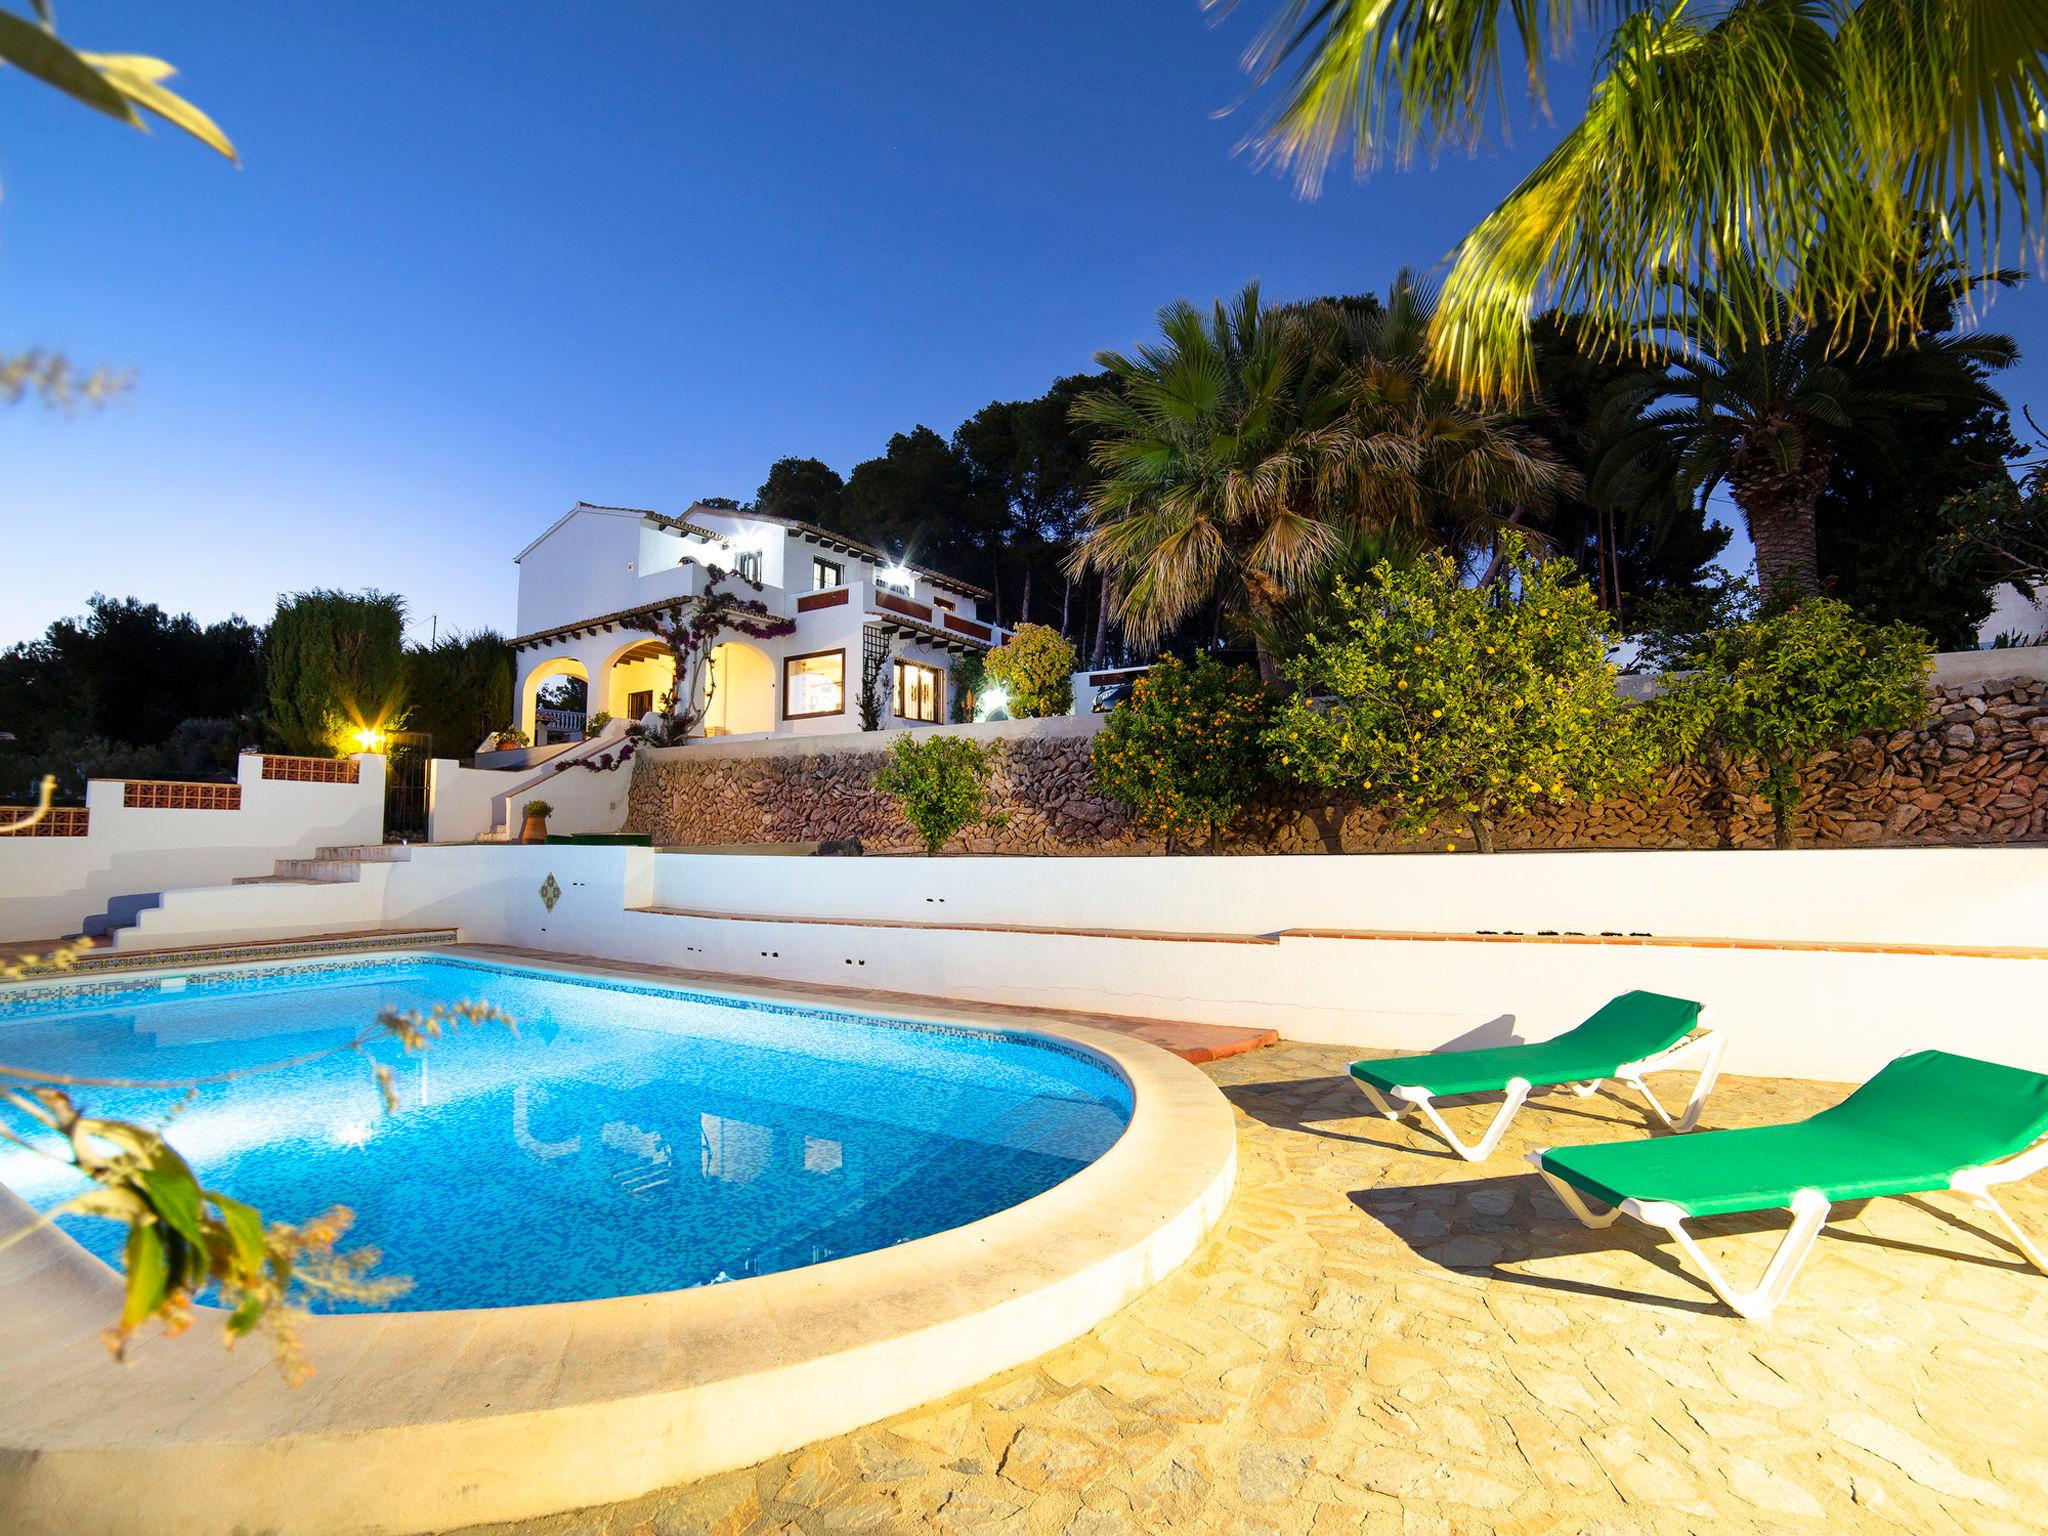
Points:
x=1437 y=700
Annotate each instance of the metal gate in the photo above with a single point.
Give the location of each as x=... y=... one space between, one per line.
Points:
x=405 y=786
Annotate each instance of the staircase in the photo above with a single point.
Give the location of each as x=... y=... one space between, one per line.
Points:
x=330 y=866
x=122 y=912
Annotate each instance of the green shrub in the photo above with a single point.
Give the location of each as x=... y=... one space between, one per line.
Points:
x=1434 y=699
x=1035 y=667
x=1188 y=750
x=594 y=726
x=457 y=688
x=334 y=664
x=1771 y=695
x=941 y=785
x=537 y=808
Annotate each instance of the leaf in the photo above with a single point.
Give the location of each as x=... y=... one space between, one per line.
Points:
x=133 y=63
x=245 y=1230
x=139 y=1141
x=174 y=1194
x=148 y=1275
x=122 y=1204
x=245 y=1316
x=37 y=52
x=136 y=78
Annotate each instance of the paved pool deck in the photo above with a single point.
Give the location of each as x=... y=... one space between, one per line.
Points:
x=1379 y=1338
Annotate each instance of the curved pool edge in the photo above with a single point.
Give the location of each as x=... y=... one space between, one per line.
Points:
x=424 y=1421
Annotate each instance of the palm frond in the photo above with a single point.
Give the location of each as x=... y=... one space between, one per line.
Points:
x=1817 y=142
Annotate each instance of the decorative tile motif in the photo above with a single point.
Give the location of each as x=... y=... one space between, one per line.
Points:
x=175 y=795
x=313 y=770
x=550 y=892
x=59 y=821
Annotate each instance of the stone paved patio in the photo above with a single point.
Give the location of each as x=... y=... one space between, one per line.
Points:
x=1379 y=1338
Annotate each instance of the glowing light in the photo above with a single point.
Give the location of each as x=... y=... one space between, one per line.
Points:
x=991 y=702
x=369 y=739
x=896 y=576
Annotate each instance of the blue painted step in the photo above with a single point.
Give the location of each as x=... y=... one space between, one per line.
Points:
x=121 y=912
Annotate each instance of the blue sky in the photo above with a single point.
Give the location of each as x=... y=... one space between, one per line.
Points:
x=483 y=261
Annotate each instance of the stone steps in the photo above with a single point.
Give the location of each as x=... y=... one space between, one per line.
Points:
x=338 y=864
x=366 y=853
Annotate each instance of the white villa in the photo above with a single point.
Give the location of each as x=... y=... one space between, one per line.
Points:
x=596 y=569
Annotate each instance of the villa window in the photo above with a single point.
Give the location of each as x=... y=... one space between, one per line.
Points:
x=917 y=691
x=893 y=583
x=826 y=573
x=748 y=565
x=814 y=685
x=945 y=604
x=639 y=705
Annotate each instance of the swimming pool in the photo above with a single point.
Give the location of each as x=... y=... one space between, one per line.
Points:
x=627 y=1139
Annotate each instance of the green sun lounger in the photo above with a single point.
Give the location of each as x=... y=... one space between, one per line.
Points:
x=1926 y=1123
x=1636 y=1033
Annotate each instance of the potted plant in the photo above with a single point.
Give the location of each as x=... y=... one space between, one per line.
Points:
x=507 y=739
x=536 y=828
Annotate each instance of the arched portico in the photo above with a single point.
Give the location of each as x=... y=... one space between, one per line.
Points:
x=637 y=678
x=742 y=682
x=538 y=678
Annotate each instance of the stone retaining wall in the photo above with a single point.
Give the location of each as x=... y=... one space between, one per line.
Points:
x=1977 y=773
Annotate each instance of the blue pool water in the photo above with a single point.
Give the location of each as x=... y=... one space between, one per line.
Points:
x=627 y=1139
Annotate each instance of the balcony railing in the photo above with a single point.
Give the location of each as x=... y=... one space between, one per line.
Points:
x=895 y=602
x=830 y=597
x=872 y=597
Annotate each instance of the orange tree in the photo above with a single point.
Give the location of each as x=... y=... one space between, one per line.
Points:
x=1434 y=699
x=1188 y=750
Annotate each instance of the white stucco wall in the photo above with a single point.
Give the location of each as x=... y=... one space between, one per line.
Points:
x=50 y=885
x=583 y=568
x=1833 y=1015
x=464 y=804
x=1869 y=895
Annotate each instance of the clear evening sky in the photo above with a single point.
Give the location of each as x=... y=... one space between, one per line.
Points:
x=483 y=260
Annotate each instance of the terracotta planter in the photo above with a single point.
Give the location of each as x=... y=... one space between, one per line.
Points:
x=535 y=830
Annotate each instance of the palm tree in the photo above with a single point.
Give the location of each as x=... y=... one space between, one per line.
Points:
x=1238 y=454
x=1768 y=413
x=1815 y=139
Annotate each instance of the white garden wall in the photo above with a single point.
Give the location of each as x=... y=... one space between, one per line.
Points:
x=465 y=804
x=50 y=885
x=1890 y=895
x=1836 y=1015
